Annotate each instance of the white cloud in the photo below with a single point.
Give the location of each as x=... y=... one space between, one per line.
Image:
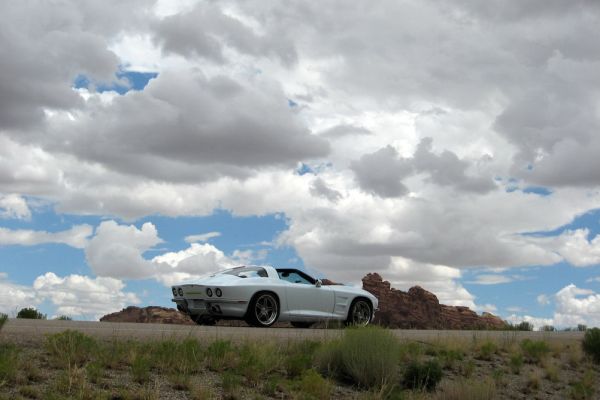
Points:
x=116 y=251
x=77 y=236
x=594 y=279
x=82 y=296
x=537 y=322
x=13 y=297
x=543 y=299
x=491 y=279
x=577 y=306
x=203 y=237
x=575 y=247
x=14 y=206
x=189 y=264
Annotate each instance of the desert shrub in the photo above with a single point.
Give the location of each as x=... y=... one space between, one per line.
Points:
x=314 y=385
x=467 y=389
x=112 y=354
x=9 y=363
x=300 y=357
x=515 y=362
x=583 y=389
x=231 y=383
x=534 y=350
x=140 y=368
x=70 y=348
x=591 y=344
x=202 y=392
x=467 y=368
x=410 y=351
x=3 y=319
x=534 y=381
x=449 y=356
x=487 y=350
x=551 y=371
x=30 y=313
x=30 y=392
x=94 y=371
x=423 y=375
x=366 y=356
x=220 y=355
x=258 y=360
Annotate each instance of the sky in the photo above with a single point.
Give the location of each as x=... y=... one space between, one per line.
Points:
x=452 y=145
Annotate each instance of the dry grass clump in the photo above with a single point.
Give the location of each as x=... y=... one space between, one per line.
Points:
x=467 y=389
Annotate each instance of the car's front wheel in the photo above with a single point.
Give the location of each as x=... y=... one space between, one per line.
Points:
x=360 y=313
x=263 y=310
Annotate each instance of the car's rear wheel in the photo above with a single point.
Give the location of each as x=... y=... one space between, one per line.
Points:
x=302 y=324
x=263 y=310
x=360 y=313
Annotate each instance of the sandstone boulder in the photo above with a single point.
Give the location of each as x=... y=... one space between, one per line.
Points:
x=152 y=314
x=420 y=309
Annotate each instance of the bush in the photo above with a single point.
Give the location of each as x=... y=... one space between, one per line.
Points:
x=423 y=375
x=64 y=318
x=591 y=344
x=70 y=348
x=30 y=313
x=367 y=356
x=516 y=362
x=300 y=357
x=534 y=350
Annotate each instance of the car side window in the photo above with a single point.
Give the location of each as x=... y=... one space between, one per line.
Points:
x=293 y=277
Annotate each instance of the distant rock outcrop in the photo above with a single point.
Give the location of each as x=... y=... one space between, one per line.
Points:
x=152 y=314
x=420 y=309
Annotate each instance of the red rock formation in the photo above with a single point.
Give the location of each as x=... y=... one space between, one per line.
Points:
x=152 y=314
x=420 y=309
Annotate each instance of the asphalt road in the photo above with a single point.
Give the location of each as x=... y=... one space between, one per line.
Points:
x=18 y=330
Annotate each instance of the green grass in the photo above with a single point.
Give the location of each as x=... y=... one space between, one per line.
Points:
x=315 y=386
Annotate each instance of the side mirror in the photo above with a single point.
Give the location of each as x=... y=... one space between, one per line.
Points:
x=318 y=283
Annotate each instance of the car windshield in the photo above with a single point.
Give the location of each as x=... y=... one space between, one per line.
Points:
x=247 y=272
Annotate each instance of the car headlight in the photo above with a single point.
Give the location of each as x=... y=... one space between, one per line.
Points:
x=218 y=292
x=209 y=292
x=174 y=292
x=180 y=291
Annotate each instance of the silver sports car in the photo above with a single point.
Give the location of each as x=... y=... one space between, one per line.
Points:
x=263 y=295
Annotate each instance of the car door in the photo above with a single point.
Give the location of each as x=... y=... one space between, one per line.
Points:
x=310 y=300
x=306 y=299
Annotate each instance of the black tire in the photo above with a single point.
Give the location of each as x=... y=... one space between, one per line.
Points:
x=263 y=310
x=204 y=320
x=361 y=312
x=302 y=324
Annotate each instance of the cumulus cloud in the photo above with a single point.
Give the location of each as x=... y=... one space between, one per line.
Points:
x=13 y=297
x=203 y=237
x=77 y=236
x=575 y=247
x=382 y=172
x=14 y=206
x=82 y=296
x=577 y=306
x=116 y=251
x=189 y=264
